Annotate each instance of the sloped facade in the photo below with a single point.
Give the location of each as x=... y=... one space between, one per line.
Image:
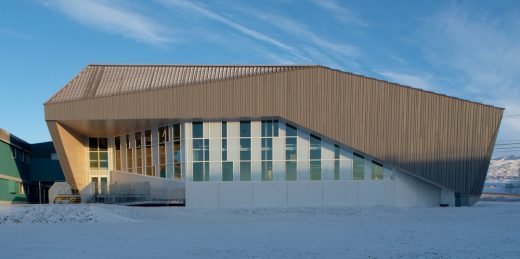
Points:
x=440 y=140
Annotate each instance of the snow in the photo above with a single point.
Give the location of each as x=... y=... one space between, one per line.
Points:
x=504 y=169
x=487 y=230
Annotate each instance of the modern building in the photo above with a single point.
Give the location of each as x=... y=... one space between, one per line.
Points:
x=269 y=136
x=27 y=171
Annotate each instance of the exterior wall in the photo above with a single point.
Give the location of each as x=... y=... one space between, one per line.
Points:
x=441 y=139
x=403 y=191
x=395 y=189
x=14 y=172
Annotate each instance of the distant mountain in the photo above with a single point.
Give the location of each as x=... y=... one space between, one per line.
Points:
x=504 y=169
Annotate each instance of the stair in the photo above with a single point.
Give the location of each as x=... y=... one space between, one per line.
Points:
x=67 y=199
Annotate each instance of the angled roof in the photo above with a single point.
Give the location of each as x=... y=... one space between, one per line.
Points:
x=107 y=80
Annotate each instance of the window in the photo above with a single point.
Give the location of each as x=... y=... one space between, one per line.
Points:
x=290 y=170
x=200 y=171
x=198 y=130
x=315 y=166
x=377 y=171
x=224 y=149
x=245 y=129
x=315 y=156
x=177 y=152
x=245 y=171
x=270 y=128
x=164 y=135
x=98 y=154
x=138 y=153
x=245 y=149
x=227 y=171
x=150 y=169
x=359 y=167
x=117 y=153
x=267 y=170
x=163 y=138
x=200 y=153
x=267 y=149
x=336 y=162
x=129 y=156
x=290 y=149
x=21 y=188
x=224 y=129
x=315 y=148
x=291 y=131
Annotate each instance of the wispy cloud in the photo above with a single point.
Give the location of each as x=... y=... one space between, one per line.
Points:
x=483 y=51
x=202 y=10
x=317 y=48
x=113 y=17
x=408 y=79
x=13 y=34
x=341 y=13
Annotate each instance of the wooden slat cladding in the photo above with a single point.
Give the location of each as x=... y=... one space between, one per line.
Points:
x=438 y=138
x=72 y=153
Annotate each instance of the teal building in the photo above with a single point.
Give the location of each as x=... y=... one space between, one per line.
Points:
x=27 y=171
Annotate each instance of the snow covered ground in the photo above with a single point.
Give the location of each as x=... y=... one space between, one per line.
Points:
x=504 y=169
x=487 y=230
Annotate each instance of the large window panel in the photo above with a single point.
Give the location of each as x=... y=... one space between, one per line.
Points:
x=117 y=155
x=245 y=149
x=267 y=170
x=315 y=148
x=198 y=130
x=245 y=129
x=359 y=167
x=377 y=171
x=227 y=171
x=291 y=131
x=315 y=169
x=290 y=171
x=290 y=149
x=245 y=171
x=98 y=153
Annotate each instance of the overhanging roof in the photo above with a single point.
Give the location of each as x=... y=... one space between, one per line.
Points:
x=107 y=80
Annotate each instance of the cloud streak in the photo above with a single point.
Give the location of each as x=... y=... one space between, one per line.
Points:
x=112 y=17
x=202 y=10
x=341 y=13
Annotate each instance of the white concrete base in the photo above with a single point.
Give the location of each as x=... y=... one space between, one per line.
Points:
x=400 y=191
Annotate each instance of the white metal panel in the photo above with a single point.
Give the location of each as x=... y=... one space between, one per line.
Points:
x=215 y=129
x=256 y=129
x=327 y=164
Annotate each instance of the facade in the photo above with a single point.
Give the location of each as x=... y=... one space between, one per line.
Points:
x=268 y=136
x=27 y=171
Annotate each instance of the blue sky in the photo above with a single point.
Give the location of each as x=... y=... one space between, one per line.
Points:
x=468 y=49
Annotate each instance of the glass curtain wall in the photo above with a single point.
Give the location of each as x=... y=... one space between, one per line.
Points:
x=117 y=153
x=129 y=156
x=164 y=138
x=148 y=153
x=200 y=153
x=177 y=149
x=315 y=156
x=138 y=153
x=227 y=166
x=98 y=153
x=359 y=167
x=269 y=130
x=245 y=151
x=291 y=134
